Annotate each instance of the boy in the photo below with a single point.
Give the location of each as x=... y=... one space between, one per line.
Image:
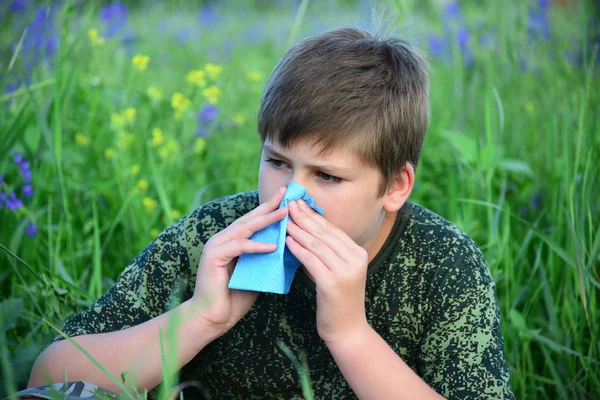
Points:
x=391 y=301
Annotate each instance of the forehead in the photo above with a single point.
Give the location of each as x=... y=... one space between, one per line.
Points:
x=302 y=149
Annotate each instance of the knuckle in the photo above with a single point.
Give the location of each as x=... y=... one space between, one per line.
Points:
x=315 y=244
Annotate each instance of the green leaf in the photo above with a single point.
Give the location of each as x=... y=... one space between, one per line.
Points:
x=10 y=309
x=465 y=145
x=516 y=166
x=517 y=319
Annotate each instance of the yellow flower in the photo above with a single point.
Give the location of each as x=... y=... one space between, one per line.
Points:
x=196 y=77
x=212 y=94
x=255 y=76
x=82 y=139
x=175 y=214
x=140 y=62
x=134 y=169
x=109 y=152
x=117 y=121
x=154 y=232
x=157 y=137
x=95 y=38
x=529 y=106
x=129 y=115
x=199 y=145
x=125 y=140
x=154 y=93
x=149 y=204
x=213 y=71
x=142 y=184
x=180 y=103
x=169 y=149
x=239 y=119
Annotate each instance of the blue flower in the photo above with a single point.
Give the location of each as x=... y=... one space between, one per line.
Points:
x=207 y=15
x=452 y=10
x=27 y=190
x=18 y=6
x=40 y=38
x=18 y=159
x=202 y=132
x=538 y=25
x=208 y=114
x=114 y=17
x=436 y=46
x=13 y=202
x=462 y=37
x=31 y=229
x=2 y=199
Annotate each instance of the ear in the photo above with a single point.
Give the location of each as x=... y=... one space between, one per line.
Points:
x=400 y=189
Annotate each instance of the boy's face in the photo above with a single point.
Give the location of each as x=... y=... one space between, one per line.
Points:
x=340 y=183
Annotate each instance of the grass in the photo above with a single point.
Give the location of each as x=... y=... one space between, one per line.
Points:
x=510 y=156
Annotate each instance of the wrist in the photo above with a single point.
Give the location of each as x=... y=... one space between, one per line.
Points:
x=349 y=339
x=197 y=326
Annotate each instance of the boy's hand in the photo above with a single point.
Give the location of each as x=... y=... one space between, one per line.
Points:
x=220 y=307
x=339 y=268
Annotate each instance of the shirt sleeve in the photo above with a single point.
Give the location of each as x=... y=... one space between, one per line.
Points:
x=462 y=353
x=159 y=275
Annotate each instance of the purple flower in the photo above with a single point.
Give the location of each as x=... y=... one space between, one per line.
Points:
x=207 y=15
x=537 y=23
x=452 y=10
x=26 y=175
x=18 y=159
x=39 y=39
x=544 y=3
x=18 y=6
x=2 y=199
x=27 y=190
x=462 y=37
x=208 y=114
x=13 y=202
x=31 y=229
x=436 y=46
x=202 y=132
x=536 y=201
x=115 y=18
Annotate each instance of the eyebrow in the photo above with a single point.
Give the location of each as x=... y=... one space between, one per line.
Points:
x=334 y=169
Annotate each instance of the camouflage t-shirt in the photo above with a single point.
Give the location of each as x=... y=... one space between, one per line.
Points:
x=429 y=295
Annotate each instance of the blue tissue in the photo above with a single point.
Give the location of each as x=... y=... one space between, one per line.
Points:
x=271 y=272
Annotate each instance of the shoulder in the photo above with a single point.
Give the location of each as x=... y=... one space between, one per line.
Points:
x=216 y=215
x=447 y=257
x=196 y=228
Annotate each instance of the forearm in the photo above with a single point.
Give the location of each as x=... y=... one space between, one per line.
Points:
x=374 y=371
x=136 y=350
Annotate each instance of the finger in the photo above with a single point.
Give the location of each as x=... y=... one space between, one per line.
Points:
x=316 y=246
x=246 y=228
x=324 y=230
x=314 y=266
x=268 y=206
x=235 y=248
x=324 y=225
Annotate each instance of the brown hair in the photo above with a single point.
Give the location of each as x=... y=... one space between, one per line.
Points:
x=347 y=87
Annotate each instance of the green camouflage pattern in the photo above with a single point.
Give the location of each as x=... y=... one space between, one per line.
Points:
x=429 y=294
x=67 y=391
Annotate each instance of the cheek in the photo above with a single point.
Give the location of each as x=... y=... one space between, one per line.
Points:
x=268 y=183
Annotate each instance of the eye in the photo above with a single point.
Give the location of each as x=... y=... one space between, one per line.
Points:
x=275 y=163
x=329 y=178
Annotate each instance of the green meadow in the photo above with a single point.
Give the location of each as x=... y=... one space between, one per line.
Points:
x=113 y=128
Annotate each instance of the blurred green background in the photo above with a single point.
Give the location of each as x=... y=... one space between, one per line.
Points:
x=116 y=119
